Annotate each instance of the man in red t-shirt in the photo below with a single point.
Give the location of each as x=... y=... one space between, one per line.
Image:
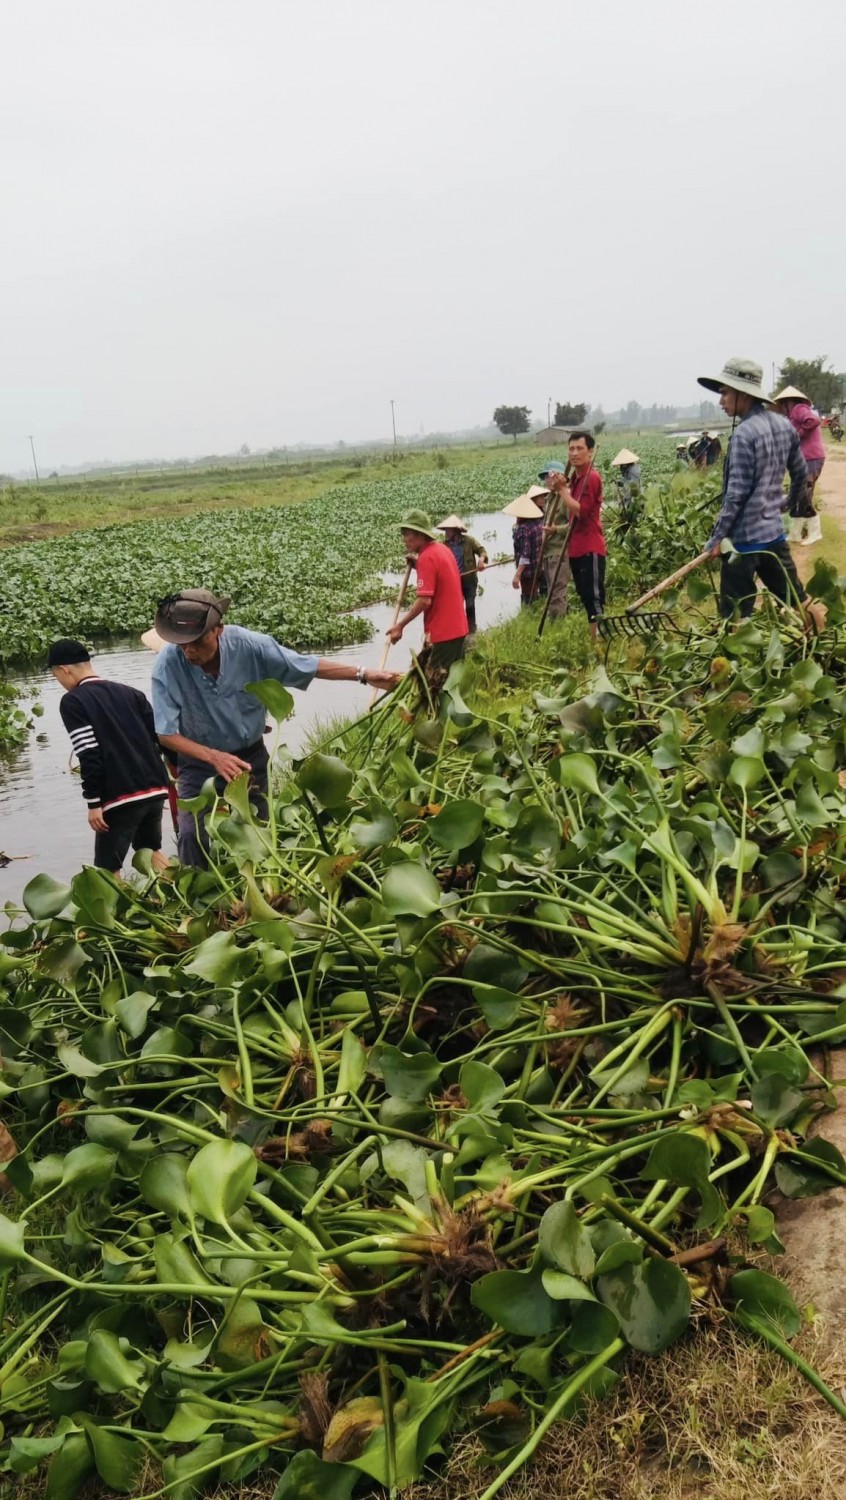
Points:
x=582 y=497
x=440 y=599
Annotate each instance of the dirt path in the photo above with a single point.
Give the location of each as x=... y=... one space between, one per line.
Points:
x=832 y=488
x=814 y=1229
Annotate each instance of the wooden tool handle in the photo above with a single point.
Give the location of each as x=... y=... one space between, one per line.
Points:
x=550 y=511
x=471 y=572
x=667 y=583
x=388 y=643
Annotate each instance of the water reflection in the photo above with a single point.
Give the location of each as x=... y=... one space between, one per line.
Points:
x=43 y=825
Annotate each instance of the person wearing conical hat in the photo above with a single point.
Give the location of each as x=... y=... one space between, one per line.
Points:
x=471 y=558
x=627 y=465
x=527 y=539
x=705 y=449
x=762 y=447
x=794 y=404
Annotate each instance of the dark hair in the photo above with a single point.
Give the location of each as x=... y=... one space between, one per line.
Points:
x=590 y=440
x=67 y=653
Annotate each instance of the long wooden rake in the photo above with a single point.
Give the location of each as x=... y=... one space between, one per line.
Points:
x=636 y=621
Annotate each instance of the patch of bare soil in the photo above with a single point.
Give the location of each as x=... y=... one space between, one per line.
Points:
x=831 y=489
x=814 y=1233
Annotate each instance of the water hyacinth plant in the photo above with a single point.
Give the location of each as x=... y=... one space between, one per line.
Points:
x=297 y=571
x=467 y=1072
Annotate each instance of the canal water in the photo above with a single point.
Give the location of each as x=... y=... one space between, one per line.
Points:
x=43 y=825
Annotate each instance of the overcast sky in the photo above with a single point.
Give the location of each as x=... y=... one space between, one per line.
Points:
x=259 y=220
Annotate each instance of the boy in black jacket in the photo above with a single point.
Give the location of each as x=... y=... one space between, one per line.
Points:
x=123 y=779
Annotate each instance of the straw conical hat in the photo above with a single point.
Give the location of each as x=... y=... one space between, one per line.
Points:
x=452 y=523
x=523 y=509
x=790 y=393
x=152 y=640
x=538 y=493
x=625 y=456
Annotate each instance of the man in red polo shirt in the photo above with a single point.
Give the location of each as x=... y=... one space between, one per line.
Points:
x=582 y=497
x=440 y=599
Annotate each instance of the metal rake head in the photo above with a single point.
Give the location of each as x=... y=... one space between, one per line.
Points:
x=642 y=622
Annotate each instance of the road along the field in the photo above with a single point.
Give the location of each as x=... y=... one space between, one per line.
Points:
x=831 y=488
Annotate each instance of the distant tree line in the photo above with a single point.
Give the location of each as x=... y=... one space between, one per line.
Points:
x=512 y=420
x=823 y=387
x=568 y=414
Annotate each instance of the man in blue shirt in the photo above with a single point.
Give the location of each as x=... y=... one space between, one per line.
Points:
x=762 y=447
x=204 y=717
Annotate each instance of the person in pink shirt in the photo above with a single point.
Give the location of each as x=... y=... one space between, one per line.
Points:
x=795 y=405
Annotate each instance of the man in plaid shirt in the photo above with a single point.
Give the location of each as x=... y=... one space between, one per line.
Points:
x=763 y=446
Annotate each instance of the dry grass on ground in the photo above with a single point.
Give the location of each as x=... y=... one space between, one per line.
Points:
x=717 y=1417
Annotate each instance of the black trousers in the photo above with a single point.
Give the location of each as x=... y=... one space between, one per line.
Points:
x=138 y=824
x=589 y=578
x=440 y=657
x=775 y=568
x=192 y=841
x=468 y=589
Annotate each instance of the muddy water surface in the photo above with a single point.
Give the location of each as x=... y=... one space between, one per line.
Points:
x=42 y=816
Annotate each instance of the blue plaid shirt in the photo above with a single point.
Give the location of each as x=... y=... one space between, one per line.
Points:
x=763 y=446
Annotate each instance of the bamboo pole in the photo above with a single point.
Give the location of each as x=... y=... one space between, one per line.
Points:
x=388 y=643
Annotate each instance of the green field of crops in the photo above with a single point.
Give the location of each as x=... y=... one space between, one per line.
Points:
x=291 y=570
x=400 y=1122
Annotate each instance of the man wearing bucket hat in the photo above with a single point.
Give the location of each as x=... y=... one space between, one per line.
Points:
x=471 y=558
x=439 y=597
x=762 y=447
x=794 y=404
x=556 y=528
x=203 y=714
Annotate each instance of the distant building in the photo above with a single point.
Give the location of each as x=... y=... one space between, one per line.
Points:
x=549 y=436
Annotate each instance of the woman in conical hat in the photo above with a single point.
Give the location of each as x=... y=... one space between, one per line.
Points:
x=805 y=525
x=527 y=538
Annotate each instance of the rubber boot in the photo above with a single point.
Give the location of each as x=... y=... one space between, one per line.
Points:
x=797 y=526
x=814 y=532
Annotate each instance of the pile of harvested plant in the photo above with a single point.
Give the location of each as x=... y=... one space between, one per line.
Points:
x=468 y=1072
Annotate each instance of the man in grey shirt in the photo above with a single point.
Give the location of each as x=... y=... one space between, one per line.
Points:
x=204 y=717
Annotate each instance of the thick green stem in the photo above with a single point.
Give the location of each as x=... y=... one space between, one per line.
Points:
x=554 y=1414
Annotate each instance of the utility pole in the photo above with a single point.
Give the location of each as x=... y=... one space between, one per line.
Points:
x=394 y=425
x=773 y=375
x=32 y=446
x=549 y=411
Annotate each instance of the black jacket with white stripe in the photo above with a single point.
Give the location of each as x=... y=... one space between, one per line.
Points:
x=113 y=734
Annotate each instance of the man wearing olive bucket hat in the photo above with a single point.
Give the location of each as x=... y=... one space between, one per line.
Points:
x=762 y=447
x=204 y=717
x=440 y=599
